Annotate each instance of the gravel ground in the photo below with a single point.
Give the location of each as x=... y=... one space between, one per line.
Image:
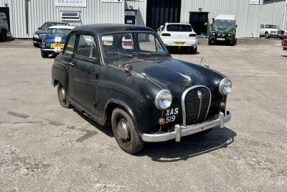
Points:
x=44 y=147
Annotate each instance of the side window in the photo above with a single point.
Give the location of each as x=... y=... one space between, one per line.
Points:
x=149 y=43
x=87 y=48
x=69 y=50
x=45 y=26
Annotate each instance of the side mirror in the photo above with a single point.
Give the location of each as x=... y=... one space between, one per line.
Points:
x=235 y=26
x=39 y=27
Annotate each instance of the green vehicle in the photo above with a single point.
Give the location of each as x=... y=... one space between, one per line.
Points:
x=223 y=29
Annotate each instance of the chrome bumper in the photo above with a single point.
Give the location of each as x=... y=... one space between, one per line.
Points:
x=53 y=50
x=181 y=131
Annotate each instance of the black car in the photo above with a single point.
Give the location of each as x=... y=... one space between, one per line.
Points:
x=42 y=31
x=123 y=76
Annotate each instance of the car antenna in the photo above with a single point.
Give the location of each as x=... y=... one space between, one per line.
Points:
x=205 y=65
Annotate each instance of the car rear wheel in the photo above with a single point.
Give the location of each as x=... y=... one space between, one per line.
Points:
x=44 y=54
x=62 y=96
x=125 y=132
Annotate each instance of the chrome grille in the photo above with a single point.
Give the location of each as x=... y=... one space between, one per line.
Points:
x=195 y=104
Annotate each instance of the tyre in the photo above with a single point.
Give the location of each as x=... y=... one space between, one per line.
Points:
x=44 y=54
x=125 y=132
x=233 y=42
x=62 y=96
x=267 y=35
x=209 y=42
x=193 y=51
x=3 y=35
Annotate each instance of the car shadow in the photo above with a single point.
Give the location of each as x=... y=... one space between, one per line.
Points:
x=104 y=129
x=171 y=151
x=284 y=55
x=190 y=146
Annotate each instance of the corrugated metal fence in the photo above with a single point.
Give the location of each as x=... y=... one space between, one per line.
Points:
x=27 y=15
x=249 y=17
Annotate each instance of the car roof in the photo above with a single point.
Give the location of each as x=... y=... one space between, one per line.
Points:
x=223 y=17
x=167 y=23
x=61 y=27
x=111 y=28
x=58 y=22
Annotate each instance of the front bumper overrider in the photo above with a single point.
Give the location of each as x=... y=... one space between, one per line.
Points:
x=181 y=131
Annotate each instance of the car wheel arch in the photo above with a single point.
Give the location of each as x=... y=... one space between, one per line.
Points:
x=60 y=75
x=113 y=104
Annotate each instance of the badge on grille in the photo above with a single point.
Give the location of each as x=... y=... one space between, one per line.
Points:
x=199 y=94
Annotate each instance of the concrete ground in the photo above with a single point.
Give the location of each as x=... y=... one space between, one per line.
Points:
x=44 y=147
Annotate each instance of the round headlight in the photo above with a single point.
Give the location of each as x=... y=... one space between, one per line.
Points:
x=163 y=99
x=225 y=86
x=213 y=34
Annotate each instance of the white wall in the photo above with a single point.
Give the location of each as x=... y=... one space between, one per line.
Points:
x=249 y=17
x=45 y=10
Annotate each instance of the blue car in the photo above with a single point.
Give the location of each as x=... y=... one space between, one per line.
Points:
x=55 y=39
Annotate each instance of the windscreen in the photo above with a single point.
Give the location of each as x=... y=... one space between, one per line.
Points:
x=224 y=23
x=179 y=28
x=272 y=26
x=129 y=46
x=55 y=32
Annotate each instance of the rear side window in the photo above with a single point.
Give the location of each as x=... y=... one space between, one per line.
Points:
x=87 y=47
x=179 y=28
x=69 y=50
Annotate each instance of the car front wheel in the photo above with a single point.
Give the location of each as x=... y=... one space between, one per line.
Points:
x=44 y=54
x=267 y=35
x=125 y=132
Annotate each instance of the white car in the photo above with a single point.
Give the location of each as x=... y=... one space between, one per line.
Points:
x=270 y=30
x=178 y=35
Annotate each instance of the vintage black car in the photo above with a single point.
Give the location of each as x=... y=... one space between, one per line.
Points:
x=123 y=76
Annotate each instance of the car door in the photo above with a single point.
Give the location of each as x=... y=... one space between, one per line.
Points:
x=84 y=72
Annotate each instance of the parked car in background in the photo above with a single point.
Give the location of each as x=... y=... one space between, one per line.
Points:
x=284 y=43
x=178 y=35
x=4 y=28
x=41 y=32
x=270 y=30
x=123 y=76
x=53 y=42
x=223 y=29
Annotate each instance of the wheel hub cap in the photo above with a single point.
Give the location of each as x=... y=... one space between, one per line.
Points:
x=123 y=129
x=62 y=94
